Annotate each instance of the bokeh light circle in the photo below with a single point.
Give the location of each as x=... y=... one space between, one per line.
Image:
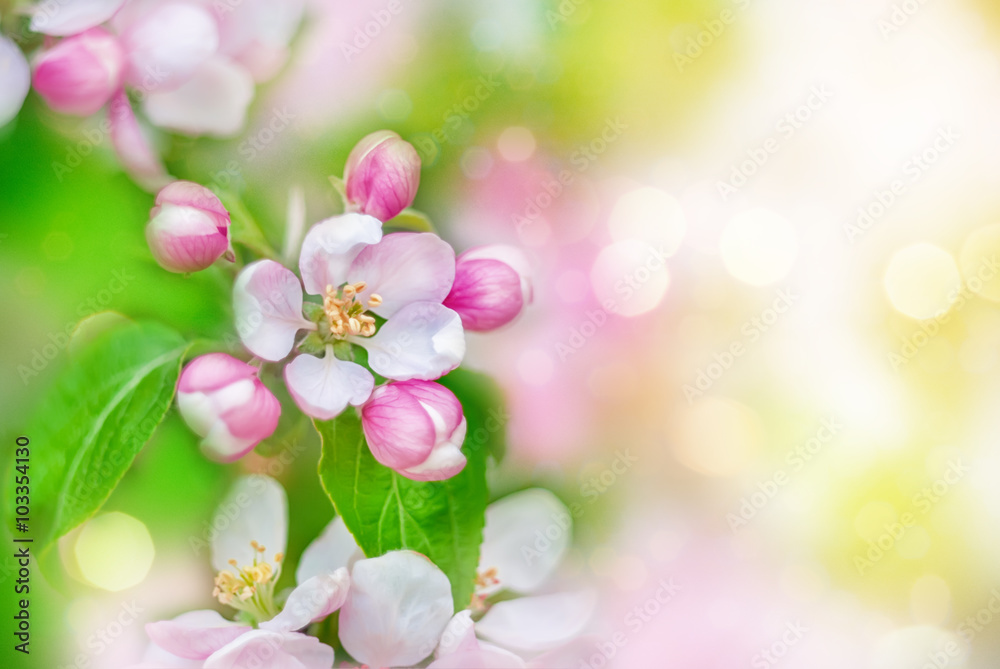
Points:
x=630 y=276
x=651 y=215
x=922 y=281
x=114 y=551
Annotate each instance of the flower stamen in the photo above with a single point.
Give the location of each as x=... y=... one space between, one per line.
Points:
x=250 y=588
x=345 y=313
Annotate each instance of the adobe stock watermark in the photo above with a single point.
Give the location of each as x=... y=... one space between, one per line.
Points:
x=253 y=146
x=625 y=288
x=911 y=345
x=900 y=15
x=786 y=127
x=581 y=160
x=58 y=341
x=772 y=654
x=711 y=30
x=796 y=458
x=923 y=501
x=751 y=331
x=370 y=31
x=428 y=144
x=590 y=490
x=914 y=169
x=103 y=638
x=632 y=623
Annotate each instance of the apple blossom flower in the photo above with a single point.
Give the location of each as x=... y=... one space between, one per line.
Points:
x=80 y=74
x=382 y=175
x=397 y=608
x=401 y=278
x=70 y=17
x=188 y=228
x=223 y=401
x=248 y=556
x=492 y=286
x=416 y=428
x=15 y=80
x=134 y=149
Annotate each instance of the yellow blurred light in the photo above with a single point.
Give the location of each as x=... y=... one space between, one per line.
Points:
x=759 y=247
x=922 y=281
x=978 y=259
x=114 y=551
x=872 y=519
x=716 y=437
x=914 y=544
x=651 y=215
x=930 y=600
x=516 y=144
x=630 y=277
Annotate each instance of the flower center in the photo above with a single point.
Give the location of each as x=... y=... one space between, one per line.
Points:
x=251 y=587
x=345 y=312
x=486 y=582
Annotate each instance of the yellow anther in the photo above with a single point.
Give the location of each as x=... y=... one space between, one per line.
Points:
x=374 y=300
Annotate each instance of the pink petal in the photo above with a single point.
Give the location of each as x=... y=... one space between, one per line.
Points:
x=261 y=649
x=311 y=601
x=136 y=153
x=195 y=635
x=423 y=340
x=539 y=623
x=331 y=246
x=399 y=432
x=323 y=388
x=166 y=43
x=510 y=256
x=526 y=535
x=81 y=73
x=382 y=175
x=15 y=80
x=459 y=635
x=267 y=301
x=446 y=459
x=486 y=294
x=213 y=101
x=72 y=16
x=405 y=267
x=397 y=608
x=190 y=194
x=185 y=239
x=484 y=657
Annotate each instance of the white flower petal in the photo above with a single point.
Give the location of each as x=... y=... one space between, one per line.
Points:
x=69 y=17
x=403 y=268
x=423 y=340
x=330 y=551
x=267 y=300
x=313 y=600
x=194 y=635
x=331 y=246
x=261 y=649
x=485 y=656
x=166 y=43
x=323 y=387
x=446 y=459
x=525 y=537
x=15 y=80
x=256 y=509
x=397 y=608
x=459 y=634
x=213 y=101
x=532 y=624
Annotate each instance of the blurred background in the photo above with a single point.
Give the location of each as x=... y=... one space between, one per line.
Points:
x=762 y=362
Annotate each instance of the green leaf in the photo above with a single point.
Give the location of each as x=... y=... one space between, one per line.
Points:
x=411 y=220
x=243 y=228
x=91 y=425
x=385 y=511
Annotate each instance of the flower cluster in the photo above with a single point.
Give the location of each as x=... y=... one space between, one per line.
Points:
x=395 y=610
x=391 y=307
x=192 y=64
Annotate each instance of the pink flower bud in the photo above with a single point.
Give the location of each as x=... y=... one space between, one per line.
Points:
x=382 y=175
x=80 y=74
x=222 y=400
x=188 y=228
x=491 y=287
x=416 y=428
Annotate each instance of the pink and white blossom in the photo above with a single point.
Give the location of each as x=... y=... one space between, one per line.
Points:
x=15 y=80
x=222 y=400
x=416 y=428
x=401 y=277
x=382 y=175
x=80 y=74
x=135 y=150
x=188 y=228
x=492 y=286
x=70 y=17
x=397 y=608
